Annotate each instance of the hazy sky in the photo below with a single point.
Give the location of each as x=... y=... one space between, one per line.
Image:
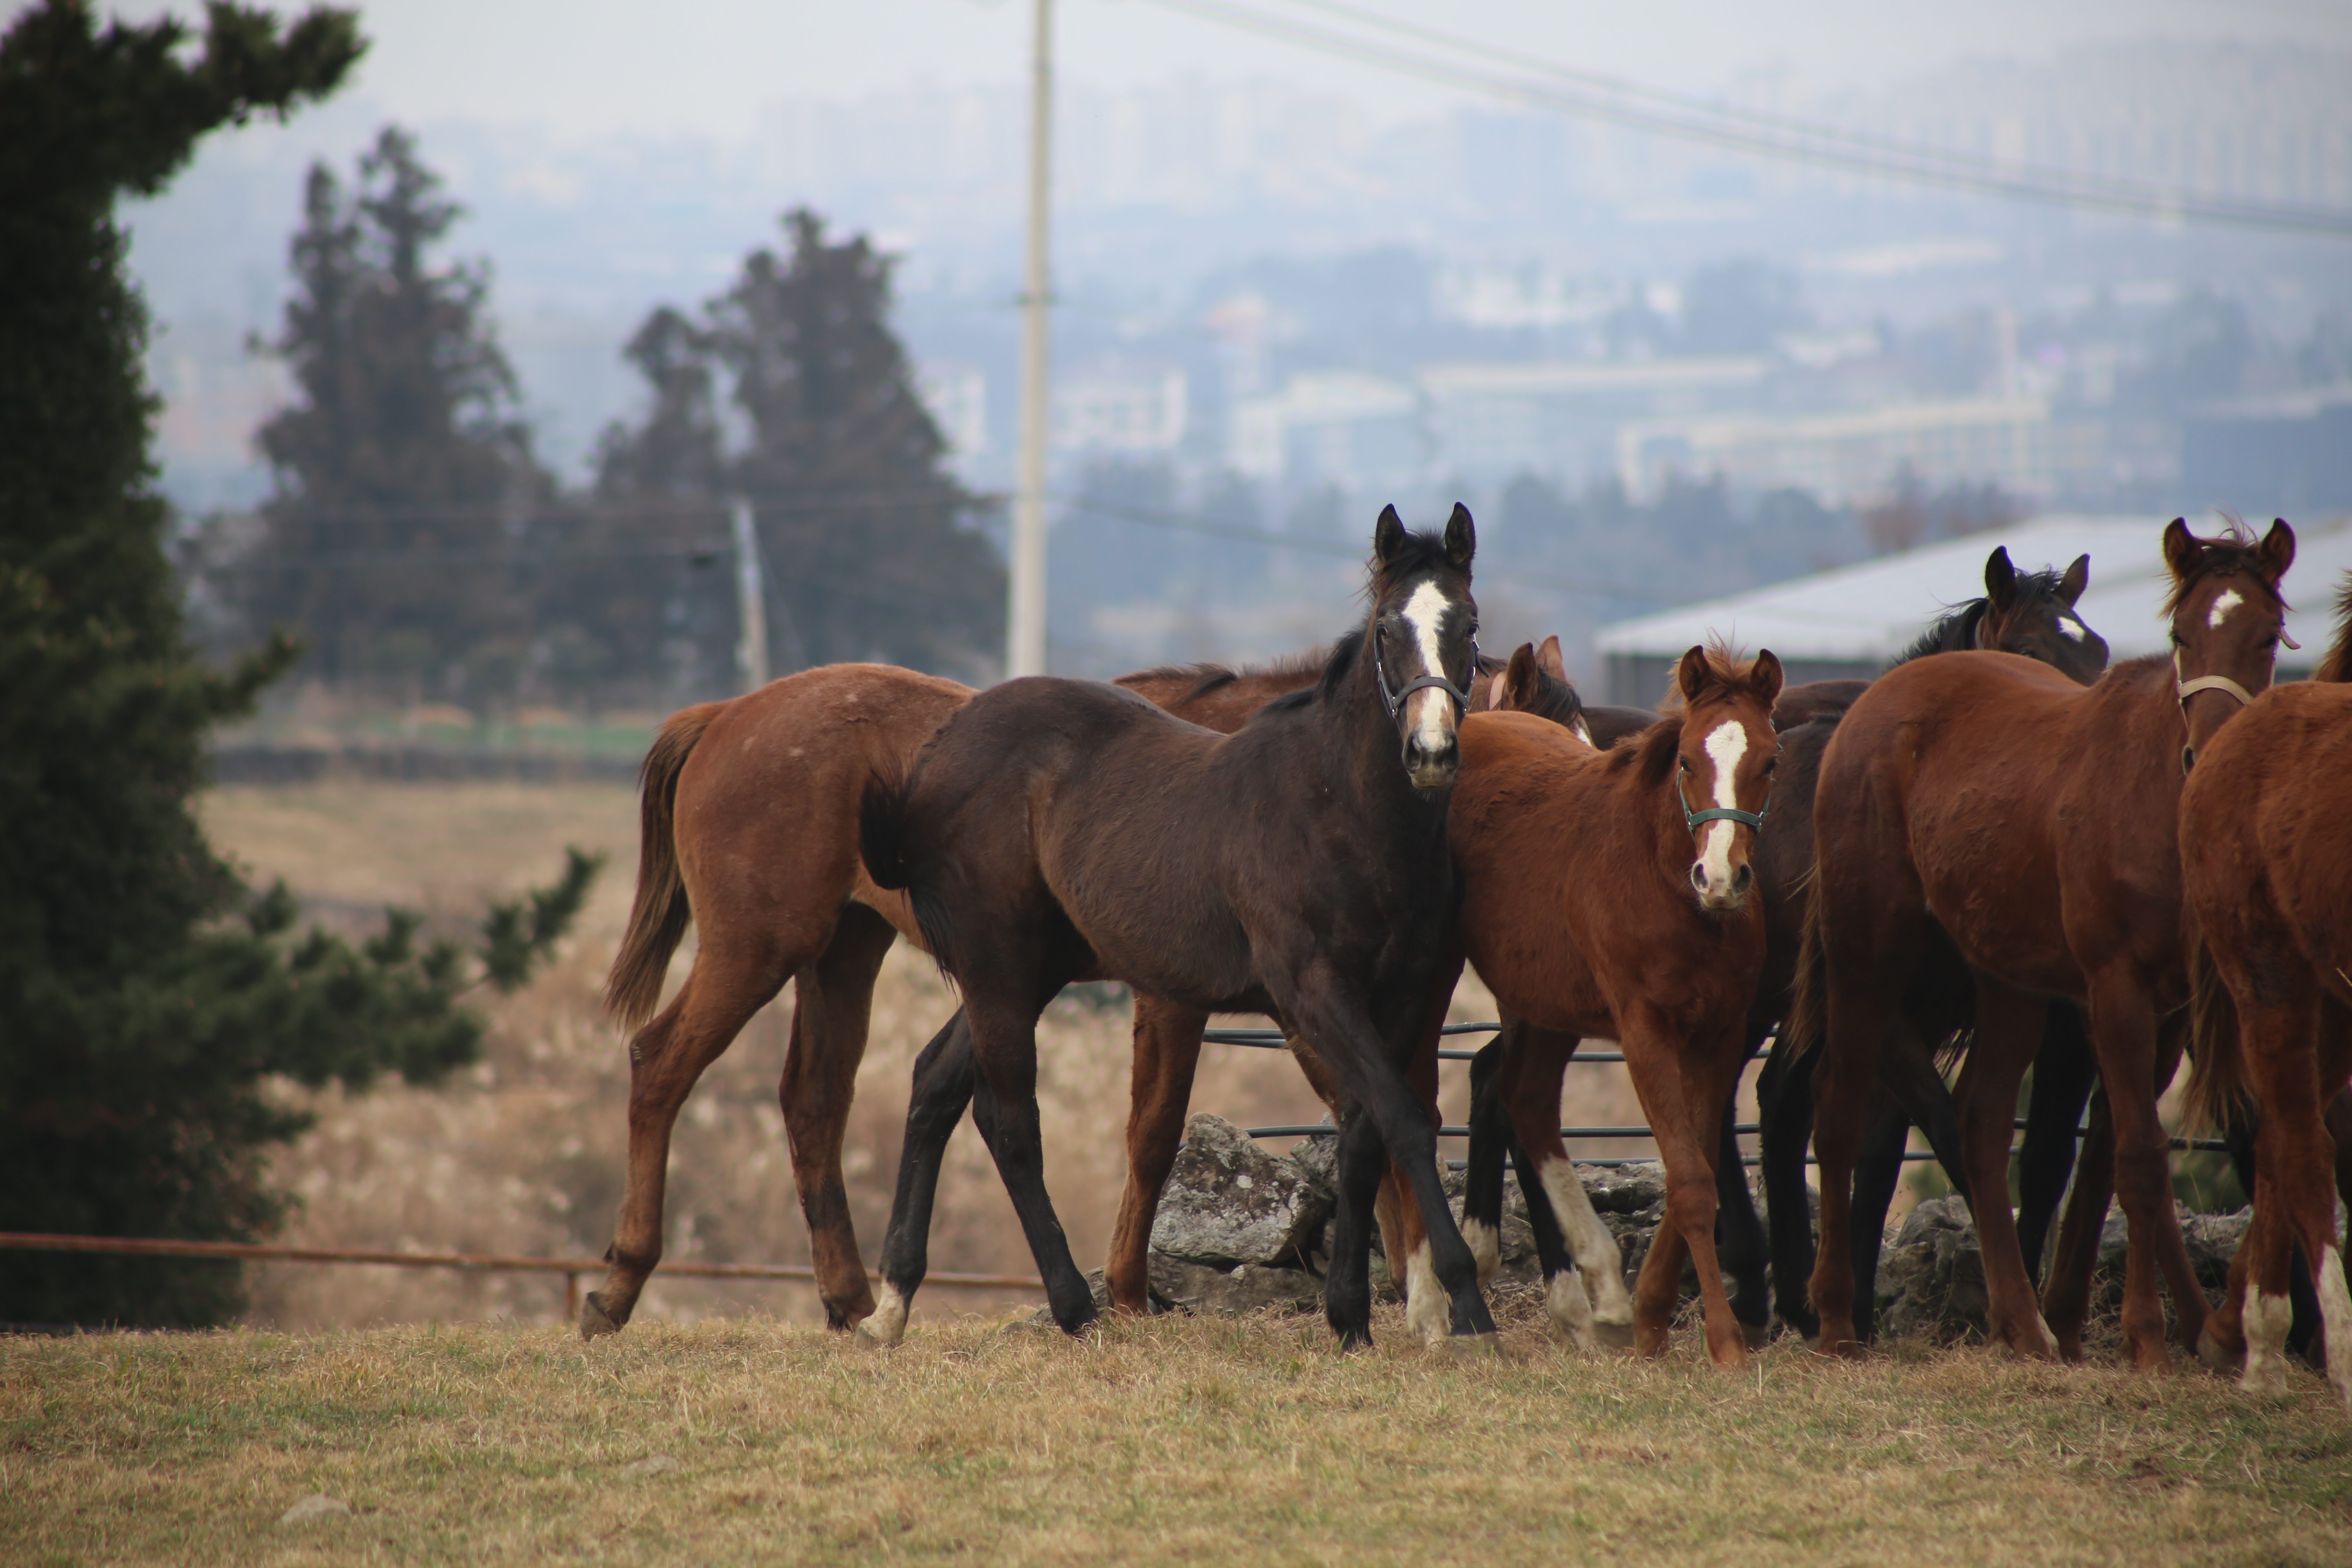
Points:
x=583 y=68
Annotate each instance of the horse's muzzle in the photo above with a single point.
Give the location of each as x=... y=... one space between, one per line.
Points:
x=1431 y=767
x=1730 y=896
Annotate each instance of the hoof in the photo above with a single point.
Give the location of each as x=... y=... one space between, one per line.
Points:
x=1755 y=1336
x=594 y=1321
x=1613 y=1336
x=2217 y=1355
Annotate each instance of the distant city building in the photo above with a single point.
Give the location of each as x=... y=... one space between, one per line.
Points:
x=1333 y=426
x=1847 y=458
x=1122 y=411
x=1560 y=419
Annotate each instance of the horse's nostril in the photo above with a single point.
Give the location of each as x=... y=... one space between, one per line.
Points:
x=1741 y=878
x=1698 y=876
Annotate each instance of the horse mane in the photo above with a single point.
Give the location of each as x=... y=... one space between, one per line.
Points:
x=1338 y=666
x=2337 y=665
x=1209 y=676
x=1956 y=630
x=2235 y=553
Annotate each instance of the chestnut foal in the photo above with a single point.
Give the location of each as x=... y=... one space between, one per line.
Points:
x=1586 y=913
x=1983 y=801
x=2266 y=872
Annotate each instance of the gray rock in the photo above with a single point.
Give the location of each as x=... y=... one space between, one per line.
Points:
x=1625 y=1189
x=1228 y=1201
x=317 y=1506
x=652 y=1467
x=1517 y=1242
x=1203 y=1289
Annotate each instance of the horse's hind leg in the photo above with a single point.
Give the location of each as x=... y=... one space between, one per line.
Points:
x=833 y=1002
x=1877 y=1173
x=1004 y=1043
x=1592 y=1305
x=2124 y=1031
x=2063 y=1075
x=944 y=1078
x=1491 y=1145
x=2075 y=1256
x=1784 y=1102
x=1167 y=1052
x=2008 y=1031
x=1747 y=1255
x=729 y=983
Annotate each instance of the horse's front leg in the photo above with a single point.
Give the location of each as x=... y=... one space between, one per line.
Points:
x=1784 y=1103
x=1167 y=1052
x=2124 y=1032
x=1591 y=1305
x=1746 y=1254
x=2007 y=1033
x=2063 y=1076
x=1683 y=1086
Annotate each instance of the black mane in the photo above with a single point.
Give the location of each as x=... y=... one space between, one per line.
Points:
x=1956 y=630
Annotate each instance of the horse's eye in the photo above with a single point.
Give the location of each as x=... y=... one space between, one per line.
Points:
x=1771 y=767
x=2177 y=642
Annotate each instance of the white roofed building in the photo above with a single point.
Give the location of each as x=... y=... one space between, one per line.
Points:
x=1853 y=621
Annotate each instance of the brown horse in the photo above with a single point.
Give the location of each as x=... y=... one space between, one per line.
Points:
x=748 y=827
x=1983 y=801
x=1054 y=829
x=2266 y=873
x=1608 y=894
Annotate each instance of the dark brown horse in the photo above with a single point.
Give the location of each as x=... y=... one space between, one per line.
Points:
x=749 y=828
x=1298 y=868
x=2266 y=873
x=1984 y=801
x=1609 y=894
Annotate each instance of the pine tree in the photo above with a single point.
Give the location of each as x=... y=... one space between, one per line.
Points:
x=404 y=454
x=860 y=522
x=147 y=993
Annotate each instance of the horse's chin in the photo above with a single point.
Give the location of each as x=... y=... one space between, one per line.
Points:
x=1431 y=777
x=1723 y=904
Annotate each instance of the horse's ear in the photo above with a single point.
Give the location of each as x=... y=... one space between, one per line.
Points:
x=2276 y=552
x=1764 y=676
x=2077 y=578
x=2182 y=550
x=1690 y=676
x=1549 y=660
x=2000 y=578
x=1388 y=534
x=1516 y=686
x=1460 y=537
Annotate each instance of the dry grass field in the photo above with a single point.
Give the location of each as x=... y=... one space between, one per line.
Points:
x=523 y=1154
x=1170 y=1440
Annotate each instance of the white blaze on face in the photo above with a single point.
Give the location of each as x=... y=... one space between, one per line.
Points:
x=2070 y=629
x=2229 y=600
x=1429 y=712
x=1725 y=744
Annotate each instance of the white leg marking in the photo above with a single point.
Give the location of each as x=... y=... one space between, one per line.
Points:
x=1597 y=1257
x=2267 y=1321
x=887 y=1323
x=1565 y=1299
x=2336 y=1311
x=1431 y=719
x=1486 y=1246
x=1428 y=1311
x=2229 y=600
x=1725 y=744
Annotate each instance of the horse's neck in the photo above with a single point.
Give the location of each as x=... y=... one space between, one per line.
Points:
x=2138 y=702
x=1364 y=762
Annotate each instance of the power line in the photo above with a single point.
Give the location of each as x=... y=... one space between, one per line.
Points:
x=1801 y=141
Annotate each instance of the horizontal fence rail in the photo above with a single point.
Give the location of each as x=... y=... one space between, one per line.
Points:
x=572 y=1269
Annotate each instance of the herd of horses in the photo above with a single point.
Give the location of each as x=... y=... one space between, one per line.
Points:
x=2000 y=851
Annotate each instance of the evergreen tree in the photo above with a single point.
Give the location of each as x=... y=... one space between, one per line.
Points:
x=147 y=993
x=858 y=518
x=404 y=454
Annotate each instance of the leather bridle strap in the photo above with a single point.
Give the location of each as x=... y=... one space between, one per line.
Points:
x=1694 y=820
x=1395 y=699
x=2189 y=689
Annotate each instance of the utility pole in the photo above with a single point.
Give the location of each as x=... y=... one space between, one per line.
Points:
x=1024 y=643
x=750 y=600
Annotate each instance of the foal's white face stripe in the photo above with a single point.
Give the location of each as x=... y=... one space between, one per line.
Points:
x=2229 y=601
x=1429 y=711
x=2070 y=629
x=1725 y=744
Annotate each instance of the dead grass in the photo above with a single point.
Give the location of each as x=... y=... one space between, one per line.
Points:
x=1168 y=1441
x=523 y=1154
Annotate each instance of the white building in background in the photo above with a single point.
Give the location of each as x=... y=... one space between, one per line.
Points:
x=1338 y=426
x=1560 y=419
x=1115 y=410
x=1847 y=458
x=957 y=397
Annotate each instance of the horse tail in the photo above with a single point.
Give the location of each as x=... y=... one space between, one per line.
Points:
x=1806 y=1023
x=882 y=844
x=660 y=913
x=2217 y=1072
